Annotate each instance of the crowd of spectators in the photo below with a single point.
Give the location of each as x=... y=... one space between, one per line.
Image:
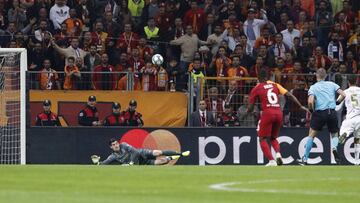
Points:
x=222 y=38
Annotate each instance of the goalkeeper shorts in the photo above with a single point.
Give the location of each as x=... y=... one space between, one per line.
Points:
x=146 y=157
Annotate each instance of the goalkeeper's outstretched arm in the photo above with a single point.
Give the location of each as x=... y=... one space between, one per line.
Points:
x=111 y=158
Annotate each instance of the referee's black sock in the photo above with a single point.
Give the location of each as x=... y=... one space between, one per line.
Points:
x=336 y=156
x=170 y=153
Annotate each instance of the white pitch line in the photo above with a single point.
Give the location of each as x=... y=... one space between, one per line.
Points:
x=228 y=187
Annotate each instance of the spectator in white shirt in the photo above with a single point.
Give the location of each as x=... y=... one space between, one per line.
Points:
x=215 y=39
x=253 y=26
x=71 y=51
x=58 y=13
x=289 y=34
x=189 y=44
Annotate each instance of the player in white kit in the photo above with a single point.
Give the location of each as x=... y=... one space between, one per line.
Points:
x=351 y=124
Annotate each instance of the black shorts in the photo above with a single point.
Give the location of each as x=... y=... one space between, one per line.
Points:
x=324 y=117
x=146 y=157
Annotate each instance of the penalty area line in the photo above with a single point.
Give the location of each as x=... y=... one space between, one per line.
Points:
x=229 y=186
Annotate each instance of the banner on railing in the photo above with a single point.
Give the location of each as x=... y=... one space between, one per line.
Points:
x=208 y=146
x=166 y=109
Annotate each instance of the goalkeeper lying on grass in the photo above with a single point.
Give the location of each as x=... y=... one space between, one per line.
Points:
x=125 y=154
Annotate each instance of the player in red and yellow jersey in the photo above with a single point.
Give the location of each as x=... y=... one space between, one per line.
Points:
x=271 y=118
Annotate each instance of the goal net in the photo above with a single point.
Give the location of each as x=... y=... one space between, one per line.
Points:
x=12 y=105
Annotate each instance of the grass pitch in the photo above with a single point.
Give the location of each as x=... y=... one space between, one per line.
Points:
x=88 y=184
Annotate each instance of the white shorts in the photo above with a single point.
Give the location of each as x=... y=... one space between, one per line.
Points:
x=351 y=125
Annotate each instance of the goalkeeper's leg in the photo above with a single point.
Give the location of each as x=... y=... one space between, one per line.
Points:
x=151 y=156
x=165 y=160
x=152 y=160
x=157 y=153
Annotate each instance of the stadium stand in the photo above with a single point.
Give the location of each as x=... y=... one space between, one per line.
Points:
x=112 y=42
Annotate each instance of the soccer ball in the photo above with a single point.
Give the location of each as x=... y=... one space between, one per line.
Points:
x=157 y=59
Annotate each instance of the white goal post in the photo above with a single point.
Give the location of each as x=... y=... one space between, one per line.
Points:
x=4 y=52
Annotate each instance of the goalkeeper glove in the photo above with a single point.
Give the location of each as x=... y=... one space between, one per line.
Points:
x=129 y=164
x=95 y=159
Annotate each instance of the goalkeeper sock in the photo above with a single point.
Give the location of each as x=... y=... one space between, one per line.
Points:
x=308 y=147
x=266 y=149
x=170 y=153
x=275 y=145
x=334 y=141
x=357 y=153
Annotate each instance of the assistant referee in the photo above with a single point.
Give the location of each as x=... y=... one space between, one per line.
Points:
x=322 y=102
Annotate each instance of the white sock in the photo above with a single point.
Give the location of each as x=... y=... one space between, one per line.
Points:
x=357 y=152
